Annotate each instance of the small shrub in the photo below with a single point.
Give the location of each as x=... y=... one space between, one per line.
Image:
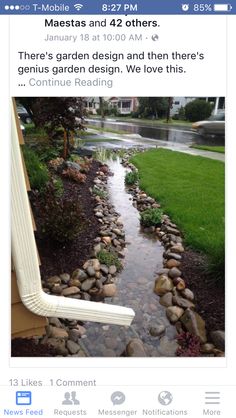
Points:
x=189 y=345
x=99 y=192
x=180 y=115
x=198 y=110
x=37 y=171
x=131 y=178
x=48 y=153
x=151 y=217
x=56 y=164
x=109 y=258
x=74 y=175
x=30 y=129
x=103 y=154
x=84 y=163
x=61 y=217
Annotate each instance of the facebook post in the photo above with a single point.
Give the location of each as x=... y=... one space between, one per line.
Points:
x=118 y=119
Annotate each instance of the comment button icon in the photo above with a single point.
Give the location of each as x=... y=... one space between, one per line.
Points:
x=117 y=398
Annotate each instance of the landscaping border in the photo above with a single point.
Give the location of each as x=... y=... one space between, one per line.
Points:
x=170 y=286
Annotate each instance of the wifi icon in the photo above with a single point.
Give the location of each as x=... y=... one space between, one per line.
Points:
x=78 y=6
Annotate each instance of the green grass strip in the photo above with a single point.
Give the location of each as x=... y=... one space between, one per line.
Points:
x=213 y=148
x=115 y=131
x=101 y=140
x=191 y=190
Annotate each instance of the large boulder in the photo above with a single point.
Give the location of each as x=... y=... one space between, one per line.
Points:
x=174 y=313
x=163 y=285
x=218 y=338
x=194 y=324
x=135 y=348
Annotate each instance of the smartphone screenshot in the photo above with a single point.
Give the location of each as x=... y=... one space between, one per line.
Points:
x=118 y=210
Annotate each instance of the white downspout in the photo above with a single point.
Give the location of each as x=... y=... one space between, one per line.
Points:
x=26 y=261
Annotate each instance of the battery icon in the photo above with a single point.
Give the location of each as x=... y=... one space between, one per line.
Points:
x=222 y=7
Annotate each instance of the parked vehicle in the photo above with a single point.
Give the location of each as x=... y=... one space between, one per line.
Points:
x=23 y=114
x=215 y=125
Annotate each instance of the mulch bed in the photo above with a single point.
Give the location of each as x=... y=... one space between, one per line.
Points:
x=57 y=258
x=28 y=347
x=209 y=294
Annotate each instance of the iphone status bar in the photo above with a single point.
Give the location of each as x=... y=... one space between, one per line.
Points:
x=123 y=7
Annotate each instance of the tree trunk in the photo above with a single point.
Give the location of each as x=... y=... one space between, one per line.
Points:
x=101 y=107
x=170 y=101
x=65 y=147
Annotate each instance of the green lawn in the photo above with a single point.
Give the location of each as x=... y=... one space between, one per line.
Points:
x=145 y=121
x=191 y=190
x=99 y=129
x=85 y=140
x=213 y=148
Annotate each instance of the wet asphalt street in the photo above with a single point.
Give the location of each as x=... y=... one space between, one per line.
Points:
x=175 y=138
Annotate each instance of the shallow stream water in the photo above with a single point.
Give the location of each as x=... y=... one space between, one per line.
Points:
x=135 y=283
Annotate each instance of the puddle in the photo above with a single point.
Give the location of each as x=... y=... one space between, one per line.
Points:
x=134 y=285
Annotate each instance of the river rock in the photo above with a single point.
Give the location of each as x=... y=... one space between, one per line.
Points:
x=172 y=263
x=167 y=347
x=111 y=342
x=87 y=284
x=55 y=322
x=72 y=347
x=118 y=232
x=109 y=290
x=116 y=242
x=181 y=302
x=179 y=283
x=59 y=345
x=106 y=233
x=135 y=348
x=81 y=329
x=164 y=271
x=170 y=230
x=90 y=271
x=188 y=294
x=93 y=262
x=55 y=332
x=174 y=272
x=73 y=290
x=85 y=296
x=54 y=280
x=218 y=338
x=174 y=313
x=174 y=256
x=163 y=285
x=74 y=282
x=104 y=269
x=177 y=248
x=121 y=254
x=97 y=181
x=106 y=240
x=56 y=289
x=74 y=334
x=79 y=274
x=108 y=352
x=112 y=270
x=166 y=300
x=73 y=165
x=207 y=348
x=99 y=214
x=218 y=353
x=157 y=330
x=194 y=324
x=65 y=278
